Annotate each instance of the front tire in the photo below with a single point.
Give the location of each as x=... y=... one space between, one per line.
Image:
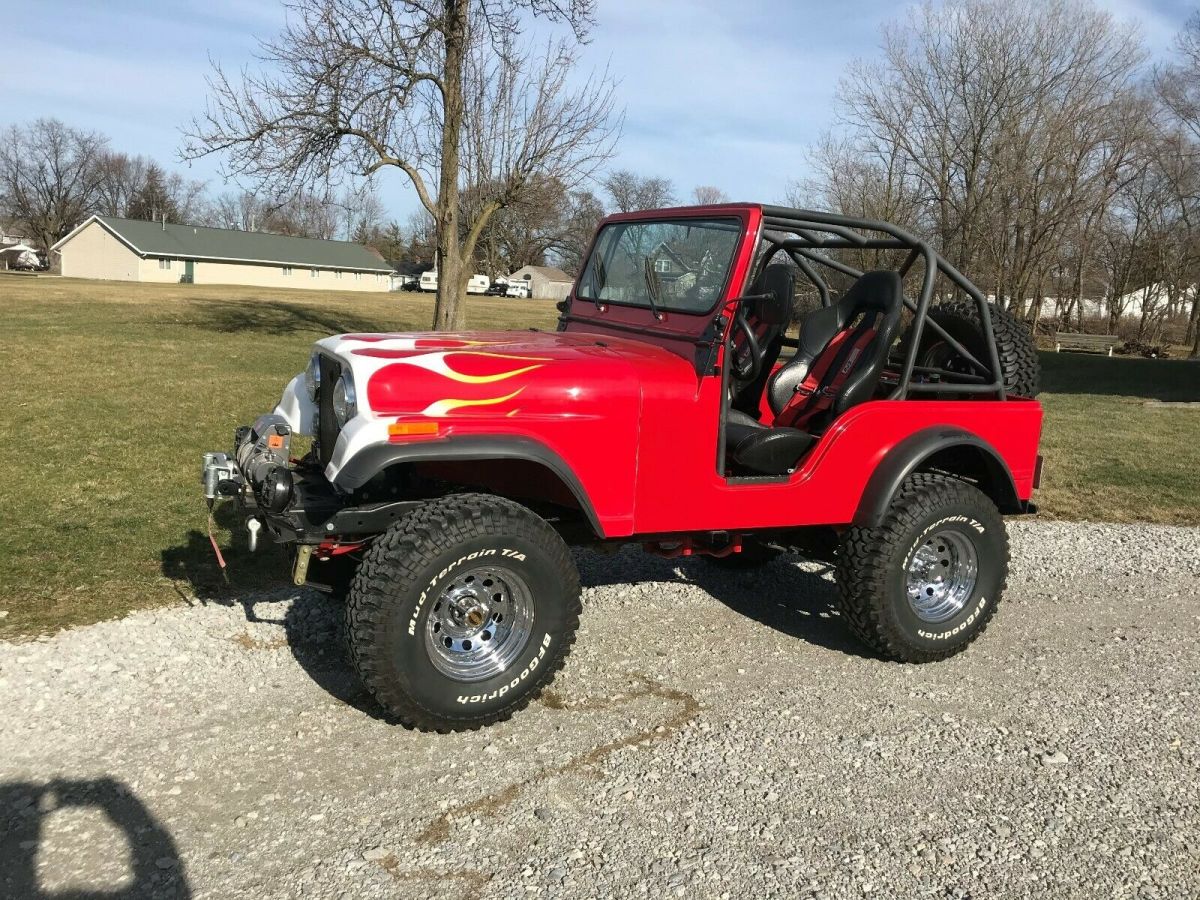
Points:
x=462 y=612
x=926 y=581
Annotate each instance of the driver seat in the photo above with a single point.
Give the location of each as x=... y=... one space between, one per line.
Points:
x=843 y=350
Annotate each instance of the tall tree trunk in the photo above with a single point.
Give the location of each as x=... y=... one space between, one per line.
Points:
x=449 y=313
x=1195 y=326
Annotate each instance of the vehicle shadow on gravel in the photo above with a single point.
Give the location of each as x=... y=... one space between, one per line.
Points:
x=795 y=601
x=152 y=869
x=312 y=622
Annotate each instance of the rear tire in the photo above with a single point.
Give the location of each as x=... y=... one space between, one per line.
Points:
x=926 y=581
x=462 y=612
x=1018 y=355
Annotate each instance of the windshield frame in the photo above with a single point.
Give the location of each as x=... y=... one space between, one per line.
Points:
x=729 y=217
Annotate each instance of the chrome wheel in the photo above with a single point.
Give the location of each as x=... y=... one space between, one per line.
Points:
x=479 y=624
x=942 y=576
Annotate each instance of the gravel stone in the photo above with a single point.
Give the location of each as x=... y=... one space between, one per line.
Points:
x=743 y=746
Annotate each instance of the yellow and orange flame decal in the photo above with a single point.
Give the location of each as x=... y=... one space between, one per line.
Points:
x=442 y=367
x=441 y=407
x=471 y=370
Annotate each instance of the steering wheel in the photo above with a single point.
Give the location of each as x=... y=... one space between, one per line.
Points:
x=745 y=369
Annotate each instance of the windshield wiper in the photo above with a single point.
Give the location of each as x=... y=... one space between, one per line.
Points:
x=653 y=288
x=599 y=279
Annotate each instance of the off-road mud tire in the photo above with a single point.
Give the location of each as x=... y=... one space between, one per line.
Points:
x=1018 y=355
x=404 y=572
x=873 y=564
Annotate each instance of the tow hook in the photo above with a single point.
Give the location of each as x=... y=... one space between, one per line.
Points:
x=253 y=527
x=300 y=573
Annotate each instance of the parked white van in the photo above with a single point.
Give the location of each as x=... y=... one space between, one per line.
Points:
x=517 y=289
x=428 y=281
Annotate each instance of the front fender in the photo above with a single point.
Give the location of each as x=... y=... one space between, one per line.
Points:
x=370 y=461
x=297 y=408
x=917 y=450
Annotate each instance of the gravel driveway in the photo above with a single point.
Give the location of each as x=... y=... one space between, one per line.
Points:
x=714 y=734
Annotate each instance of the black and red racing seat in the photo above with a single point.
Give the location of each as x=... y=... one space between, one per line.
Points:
x=843 y=350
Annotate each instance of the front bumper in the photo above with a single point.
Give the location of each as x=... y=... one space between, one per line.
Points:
x=291 y=499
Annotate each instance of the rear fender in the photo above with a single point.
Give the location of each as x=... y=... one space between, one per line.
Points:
x=949 y=449
x=370 y=461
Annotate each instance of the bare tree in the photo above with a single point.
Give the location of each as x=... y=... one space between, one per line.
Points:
x=629 y=191
x=49 y=177
x=991 y=111
x=166 y=195
x=707 y=195
x=584 y=212
x=438 y=89
x=301 y=213
x=1178 y=88
x=361 y=211
x=120 y=178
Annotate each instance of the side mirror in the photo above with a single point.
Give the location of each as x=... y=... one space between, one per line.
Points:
x=773 y=309
x=777 y=290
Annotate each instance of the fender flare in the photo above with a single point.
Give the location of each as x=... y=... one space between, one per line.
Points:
x=908 y=455
x=370 y=461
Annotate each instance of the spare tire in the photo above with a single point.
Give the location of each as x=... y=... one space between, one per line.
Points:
x=1018 y=356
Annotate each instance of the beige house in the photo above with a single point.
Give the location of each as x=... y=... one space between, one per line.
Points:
x=545 y=282
x=133 y=250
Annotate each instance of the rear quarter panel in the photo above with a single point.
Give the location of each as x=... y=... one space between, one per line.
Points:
x=679 y=488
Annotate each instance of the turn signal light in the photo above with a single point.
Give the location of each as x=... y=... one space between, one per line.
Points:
x=407 y=429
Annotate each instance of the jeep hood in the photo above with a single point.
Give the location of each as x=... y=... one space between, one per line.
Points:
x=489 y=375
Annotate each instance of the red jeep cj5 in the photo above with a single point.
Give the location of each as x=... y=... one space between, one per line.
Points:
x=449 y=473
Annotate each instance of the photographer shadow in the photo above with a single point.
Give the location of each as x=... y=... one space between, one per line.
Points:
x=154 y=867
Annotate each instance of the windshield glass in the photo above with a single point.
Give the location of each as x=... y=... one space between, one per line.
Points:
x=680 y=265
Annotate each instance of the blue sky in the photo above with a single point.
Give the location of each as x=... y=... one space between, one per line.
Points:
x=724 y=92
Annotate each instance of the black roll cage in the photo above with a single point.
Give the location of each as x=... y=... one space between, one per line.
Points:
x=802 y=234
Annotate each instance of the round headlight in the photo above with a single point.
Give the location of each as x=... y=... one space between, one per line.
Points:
x=345 y=401
x=312 y=377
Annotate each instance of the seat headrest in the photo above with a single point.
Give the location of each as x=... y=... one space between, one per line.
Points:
x=881 y=290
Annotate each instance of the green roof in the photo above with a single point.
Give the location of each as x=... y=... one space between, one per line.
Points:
x=231 y=245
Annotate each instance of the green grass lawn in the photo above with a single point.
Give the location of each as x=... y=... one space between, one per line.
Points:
x=115 y=390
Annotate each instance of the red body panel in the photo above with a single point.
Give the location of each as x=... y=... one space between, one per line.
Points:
x=639 y=427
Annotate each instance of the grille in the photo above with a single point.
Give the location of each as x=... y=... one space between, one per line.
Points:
x=327 y=426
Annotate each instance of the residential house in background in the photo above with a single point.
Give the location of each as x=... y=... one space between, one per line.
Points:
x=545 y=282
x=114 y=249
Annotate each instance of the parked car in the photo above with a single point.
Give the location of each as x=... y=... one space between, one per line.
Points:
x=450 y=474
x=498 y=288
x=517 y=289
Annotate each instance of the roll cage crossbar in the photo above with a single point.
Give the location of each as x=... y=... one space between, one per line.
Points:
x=804 y=234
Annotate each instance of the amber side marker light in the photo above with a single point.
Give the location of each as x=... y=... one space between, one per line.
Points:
x=407 y=429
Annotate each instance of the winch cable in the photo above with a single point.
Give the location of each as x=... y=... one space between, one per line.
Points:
x=212 y=539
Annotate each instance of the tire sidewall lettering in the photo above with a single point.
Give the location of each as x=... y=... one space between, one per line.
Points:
x=529 y=669
x=959 y=628
x=409 y=656
x=430 y=589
